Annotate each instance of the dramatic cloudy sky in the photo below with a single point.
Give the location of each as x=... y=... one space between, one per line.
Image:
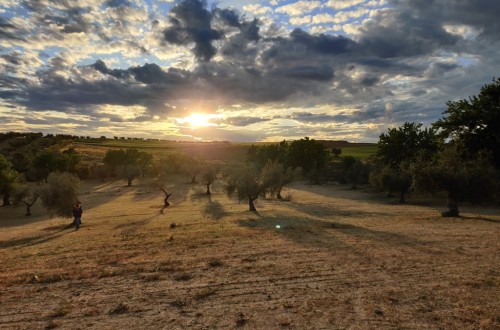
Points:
x=240 y=70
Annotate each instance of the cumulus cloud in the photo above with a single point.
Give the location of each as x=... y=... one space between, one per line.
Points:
x=84 y=57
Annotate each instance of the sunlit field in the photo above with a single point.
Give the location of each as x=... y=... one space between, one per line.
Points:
x=329 y=258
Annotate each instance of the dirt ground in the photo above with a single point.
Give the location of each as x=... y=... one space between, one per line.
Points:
x=330 y=258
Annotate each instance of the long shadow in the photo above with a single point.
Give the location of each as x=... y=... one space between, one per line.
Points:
x=39 y=239
x=479 y=218
x=318 y=233
x=364 y=193
x=303 y=231
x=328 y=212
x=134 y=225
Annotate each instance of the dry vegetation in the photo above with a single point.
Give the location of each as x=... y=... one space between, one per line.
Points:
x=341 y=259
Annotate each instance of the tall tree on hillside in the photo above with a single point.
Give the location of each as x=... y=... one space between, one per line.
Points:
x=8 y=179
x=462 y=179
x=129 y=164
x=261 y=155
x=397 y=151
x=354 y=170
x=307 y=154
x=49 y=161
x=405 y=143
x=475 y=122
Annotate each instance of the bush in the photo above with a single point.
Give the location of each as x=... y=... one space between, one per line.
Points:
x=59 y=194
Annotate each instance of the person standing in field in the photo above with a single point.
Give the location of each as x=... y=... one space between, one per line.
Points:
x=77 y=214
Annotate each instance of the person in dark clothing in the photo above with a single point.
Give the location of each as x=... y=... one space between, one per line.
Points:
x=77 y=214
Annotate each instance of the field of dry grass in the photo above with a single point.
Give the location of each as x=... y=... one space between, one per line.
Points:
x=341 y=259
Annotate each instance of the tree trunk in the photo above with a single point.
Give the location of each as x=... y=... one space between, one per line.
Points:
x=193 y=178
x=208 y=189
x=402 y=196
x=251 y=203
x=6 y=199
x=129 y=182
x=452 y=207
x=278 y=195
x=28 y=209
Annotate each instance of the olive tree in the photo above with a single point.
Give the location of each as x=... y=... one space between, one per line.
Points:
x=27 y=194
x=8 y=179
x=128 y=164
x=209 y=175
x=462 y=179
x=397 y=151
x=59 y=194
x=277 y=177
x=247 y=183
x=475 y=122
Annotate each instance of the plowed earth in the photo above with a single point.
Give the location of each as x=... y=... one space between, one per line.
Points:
x=330 y=258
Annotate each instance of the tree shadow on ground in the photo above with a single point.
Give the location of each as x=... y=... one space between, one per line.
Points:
x=38 y=239
x=324 y=234
x=134 y=225
x=327 y=212
x=214 y=209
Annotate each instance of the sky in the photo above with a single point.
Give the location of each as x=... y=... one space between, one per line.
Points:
x=240 y=70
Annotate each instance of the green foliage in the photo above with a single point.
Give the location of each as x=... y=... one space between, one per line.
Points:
x=27 y=194
x=336 y=152
x=49 y=161
x=114 y=159
x=209 y=175
x=261 y=155
x=59 y=194
x=8 y=179
x=306 y=154
x=246 y=183
x=275 y=177
x=475 y=122
x=405 y=143
x=354 y=170
x=129 y=163
x=392 y=180
x=471 y=180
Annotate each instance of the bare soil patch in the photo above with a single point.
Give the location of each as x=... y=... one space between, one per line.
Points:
x=331 y=258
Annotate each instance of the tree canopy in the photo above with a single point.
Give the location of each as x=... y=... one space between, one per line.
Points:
x=405 y=143
x=475 y=122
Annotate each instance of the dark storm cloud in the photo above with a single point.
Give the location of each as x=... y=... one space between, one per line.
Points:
x=191 y=22
x=149 y=73
x=248 y=29
x=403 y=34
x=306 y=72
x=481 y=14
x=301 y=67
x=322 y=43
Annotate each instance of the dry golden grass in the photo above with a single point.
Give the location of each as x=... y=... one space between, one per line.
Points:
x=341 y=259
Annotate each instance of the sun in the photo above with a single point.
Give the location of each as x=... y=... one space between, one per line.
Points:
x=196 y=120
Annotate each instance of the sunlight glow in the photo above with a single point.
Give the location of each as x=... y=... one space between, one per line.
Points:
x=196 y=120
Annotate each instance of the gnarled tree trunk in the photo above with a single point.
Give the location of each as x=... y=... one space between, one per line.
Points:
x=452 y=206
x=251 y=204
